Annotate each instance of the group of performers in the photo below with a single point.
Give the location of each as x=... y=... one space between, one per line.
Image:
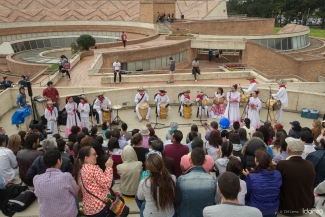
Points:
x=103 y=108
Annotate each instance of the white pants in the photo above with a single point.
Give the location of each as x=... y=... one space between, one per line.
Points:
x=53 y=127
x=158 y=110
x=139 y=115
x=279 y=115
x=205 y=110
x=100 y=115
x=85 y=122
x=182 y=110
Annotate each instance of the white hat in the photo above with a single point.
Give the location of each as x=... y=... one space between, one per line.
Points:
x=144 y=131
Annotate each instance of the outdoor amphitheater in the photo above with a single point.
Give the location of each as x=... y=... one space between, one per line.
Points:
x=35 y=33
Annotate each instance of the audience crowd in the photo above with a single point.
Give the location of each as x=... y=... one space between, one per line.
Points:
x=241 y=172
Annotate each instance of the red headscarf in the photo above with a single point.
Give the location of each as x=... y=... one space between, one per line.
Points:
x=199 y=96
x=187 y=96
x=161 y=94
x=253 y=81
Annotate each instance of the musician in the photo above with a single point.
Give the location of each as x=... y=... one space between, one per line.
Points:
x=283 y=97
x=72 y=119
x=141 y=96
x=218 y=108
x=51 y=115
x=232 y=111
x=253 y=112
x=84 y=110
x=162 y=98
x=199 y=98
x=100 y=103
x=252 y=86
x=185 y=98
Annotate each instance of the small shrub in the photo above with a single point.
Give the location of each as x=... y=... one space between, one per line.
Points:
x=86 y=41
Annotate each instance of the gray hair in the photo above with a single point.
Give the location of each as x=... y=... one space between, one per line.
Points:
x=49 y=143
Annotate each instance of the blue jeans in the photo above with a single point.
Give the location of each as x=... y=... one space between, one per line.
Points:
x=77 y=204
x=56 y=105
x=141 y=204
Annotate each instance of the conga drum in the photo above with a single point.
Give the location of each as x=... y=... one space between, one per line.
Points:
x=216 y=101
x=205 y=102
x=106 y=114
x=273 y=104
x=163 y=110
x=244 y=98
x=187 y=110
x=143 y=109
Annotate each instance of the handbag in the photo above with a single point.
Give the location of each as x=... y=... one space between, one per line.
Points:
x=66 y=65
x=115 y=203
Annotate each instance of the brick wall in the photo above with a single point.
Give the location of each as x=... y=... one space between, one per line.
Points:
x=225 y=27
x=149 y=10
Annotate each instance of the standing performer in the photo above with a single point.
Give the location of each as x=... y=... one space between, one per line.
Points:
x=253 y=111
x=218 y=108
x=162 y=98
x=84 y=110
x=199 y=99
x=72 y=120
x=140 y=97
x=283 y=97
x=185 y=98
x=253 y=85
x=100 y=103
x=232 y=111
x=51 y=115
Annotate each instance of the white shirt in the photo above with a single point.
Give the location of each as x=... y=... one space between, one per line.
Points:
x=282 y=96
x=8 y=163
x=195 y=63
x=98 y=105
x=161 y=99
x=218 y=95
x=252 y=87
x=117 y=65
x=183 y=99
x=86 y=109
x=138 y=96
x=204 y=98
x=309 y=148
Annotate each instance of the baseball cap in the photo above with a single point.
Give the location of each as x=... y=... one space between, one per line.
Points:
x=295 y=123
x=295 y=145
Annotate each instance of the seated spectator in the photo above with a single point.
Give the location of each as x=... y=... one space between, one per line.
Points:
x=26 y=157
x=298 y=175
x=260 y=135
x=192 y=135
x=283 y=131
x=38 y=167
x=196 y=189
x=49 y=192
x=108 y=136
x=306 y=129
x=185 y=160
x=266 y=134
x=268 y=126
x=308 y=139
x=70 y=146
x=105 y=128
x=85 y=131
x=277 y=127
x=3 y=133
x=141 y=152
x=133 y=132
x=249 y=129
x=316 y=130
x=155 y=196
x=61 y=147
x=145 y=137
x=243 y=136
x=229 y=187
x=150 y=140
x=224 y=135
x=94 y=182
x=76 y=145
x=152 y=132
x=169 y=142
x=173 y=127
x=223 y=155
x=8 y=162
x=101 y=156
x=235 y=127
x=3 y=184
x=157 y=145
x=318 y=159
x=266 y=199
x=93 y=132
x=208 y=130
x=124 y=132
x=195 y=129
x=295 y=130
x=99 y=139
x=129 y=171
x=176 y=150
x=276 y=144
x=74 y=132
x=283 y=154
x=322 y=132
x=117 y=135
x=319 y=198
x=85 y=141
x=213 y=144
x=14 y=143
x=237 y=147
x=116 y=154
x=23 y=135
x=248 y=152
x=40 y=135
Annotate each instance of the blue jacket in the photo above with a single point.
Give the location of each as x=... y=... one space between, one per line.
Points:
x=210 y=53
x=318 y=159
x=21 y=100
x=263 y=190
x=194 y=191
x=172 y=66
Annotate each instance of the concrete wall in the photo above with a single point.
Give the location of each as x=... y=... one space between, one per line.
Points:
x=96 y=65
x=219 y=12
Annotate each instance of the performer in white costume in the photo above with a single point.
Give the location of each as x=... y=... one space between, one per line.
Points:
x=162 y=98
x=51 y=115
x=218 y=108
x=253 y=112
x=140 y=97
x=283 y=97
x=199 y=99
x=72 y=119
x=185 y=98
x=252 y=86
x=84 y=110
x=232 y=111
x=100 y=103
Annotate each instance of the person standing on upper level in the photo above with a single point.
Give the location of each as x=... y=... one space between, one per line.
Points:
x=117 y=70
x=124 y=38
x=171 y=70
x=52 y=94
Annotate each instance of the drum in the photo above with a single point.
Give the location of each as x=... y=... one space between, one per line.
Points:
x=218 y=100
x=143 y=109
x=273 y=104
x=106 y=114
x=187 y=110
x=205 y=102
x=244 y=98
x=163 y=110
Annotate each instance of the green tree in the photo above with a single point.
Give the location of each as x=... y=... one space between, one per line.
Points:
x=320 y=12
x=86 y=41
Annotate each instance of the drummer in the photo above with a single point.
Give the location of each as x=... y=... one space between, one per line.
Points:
x=201 y=96
x=283 y=97
x=185 y=98
x=100 y=103
x=142 y=97
x=162 y=98
x=252 y=86
x=218 y=108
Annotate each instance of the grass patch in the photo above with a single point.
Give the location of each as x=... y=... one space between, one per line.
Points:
x=52 y=67
x=276 y=29
x=313 y=32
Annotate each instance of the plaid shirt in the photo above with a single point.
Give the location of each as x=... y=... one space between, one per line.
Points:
x=56 y=192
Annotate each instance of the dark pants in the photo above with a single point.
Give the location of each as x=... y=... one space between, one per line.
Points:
x=210 y=58
x=120 y=76
x=195 y=70
x=64 y=71
x=106 y=212
x=28 y=182
x=124 y=43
